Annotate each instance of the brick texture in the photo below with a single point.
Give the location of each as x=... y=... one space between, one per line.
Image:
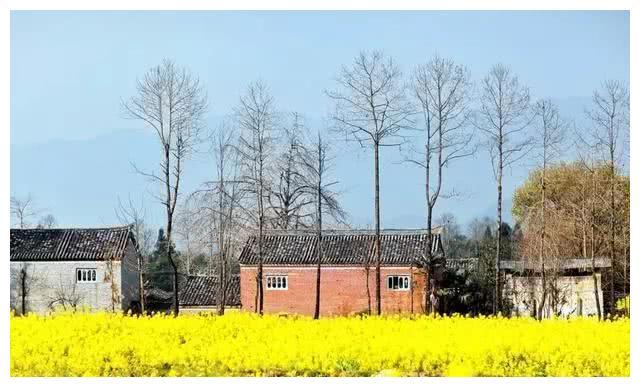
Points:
x=342 y=290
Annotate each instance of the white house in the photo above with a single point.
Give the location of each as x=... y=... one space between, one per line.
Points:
x=68 y=268
x=571 y=292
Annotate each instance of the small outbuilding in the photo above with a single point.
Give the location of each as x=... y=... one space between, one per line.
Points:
x=200 y=293
x=570 y=284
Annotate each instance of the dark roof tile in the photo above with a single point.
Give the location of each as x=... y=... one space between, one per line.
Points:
x=399 y=247
x=202 y=291
x=68 y=244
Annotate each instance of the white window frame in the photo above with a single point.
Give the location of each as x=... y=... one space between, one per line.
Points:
x=402 y=280
x=275 y=279
x=90 y=273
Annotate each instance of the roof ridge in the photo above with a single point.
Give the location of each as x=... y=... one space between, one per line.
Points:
x=388 y=231
x=71 y=228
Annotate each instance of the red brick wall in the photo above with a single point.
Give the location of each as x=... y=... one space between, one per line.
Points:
x=343 y=290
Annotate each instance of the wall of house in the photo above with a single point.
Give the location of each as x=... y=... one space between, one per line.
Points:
x=343 y=290
x=48 y=281
x=522 y=290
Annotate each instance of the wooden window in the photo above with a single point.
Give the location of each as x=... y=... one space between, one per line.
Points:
x=85 y=275
x=398 y=282
x=277 y=282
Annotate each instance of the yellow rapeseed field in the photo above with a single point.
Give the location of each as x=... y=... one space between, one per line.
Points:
x=103 y=344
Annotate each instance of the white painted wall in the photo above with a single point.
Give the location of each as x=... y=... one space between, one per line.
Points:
x=574 y=288
x=46 y=280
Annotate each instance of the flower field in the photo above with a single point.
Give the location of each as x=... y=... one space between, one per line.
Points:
x=241 y=344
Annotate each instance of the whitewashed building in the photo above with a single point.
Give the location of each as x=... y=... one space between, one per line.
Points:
x=73 y=268
x=571 y=293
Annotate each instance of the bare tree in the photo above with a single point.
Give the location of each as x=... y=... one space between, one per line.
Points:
x=134 y=215
x=27 y=280
x=47 y=221
x=371 y=108
x=286 y=196
x=23 y=210
x=610 y=118
x=66 y=297
x=173 y=103
x=502 y=117
x=441 y=89
x=550 y=137
x=218 y=209
x=256 y=118
x=317 y=159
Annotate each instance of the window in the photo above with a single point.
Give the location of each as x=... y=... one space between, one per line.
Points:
x=398 y=282
x=277 y=282
x=85 y=275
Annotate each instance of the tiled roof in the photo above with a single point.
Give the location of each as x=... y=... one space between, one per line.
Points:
x=155 y=294
x=68 y=244
x=565 y=264
x=352 y=247
x=202 y=291
x=466 y=264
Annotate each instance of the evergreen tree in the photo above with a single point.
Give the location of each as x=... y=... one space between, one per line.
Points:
x=160 y=272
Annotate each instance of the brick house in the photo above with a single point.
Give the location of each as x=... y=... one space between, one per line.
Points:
x=73 y=267
x=290 y=264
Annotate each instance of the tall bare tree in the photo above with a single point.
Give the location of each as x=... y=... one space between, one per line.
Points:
x=287 y=197
x=441 y=89
x=503 y=117
x=371 y=107
x=610 y=118
x=217 y=209
x=317 y=162
x=173 y=103
x=23 y=210
x=256 y=119
x=587 y=211
x=551 y=131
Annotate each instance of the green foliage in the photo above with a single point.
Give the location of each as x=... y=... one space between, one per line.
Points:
x=159 y=271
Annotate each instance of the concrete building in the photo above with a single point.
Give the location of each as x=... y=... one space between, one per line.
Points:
x=73 y=268
x=290 y=266
x=571 y=292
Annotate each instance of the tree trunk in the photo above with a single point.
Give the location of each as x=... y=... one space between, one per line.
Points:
x=141 y=279
x=316 y=313
x=260 y=287
x=377 y=221
x=542 y=240
x=429 y=266
x=23 y=293
x=613 y=231
x=222 y=295
x=593 y=254
x=259 y=294
x=497 y=296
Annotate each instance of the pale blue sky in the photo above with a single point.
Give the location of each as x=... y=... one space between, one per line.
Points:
x=71 y=147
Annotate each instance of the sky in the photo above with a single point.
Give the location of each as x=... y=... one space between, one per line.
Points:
x=72 y=148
